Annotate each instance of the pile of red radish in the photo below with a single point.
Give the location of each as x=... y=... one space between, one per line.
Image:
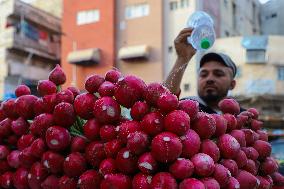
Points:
x=66 y=139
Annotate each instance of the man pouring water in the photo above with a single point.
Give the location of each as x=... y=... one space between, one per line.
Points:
x=215 y=75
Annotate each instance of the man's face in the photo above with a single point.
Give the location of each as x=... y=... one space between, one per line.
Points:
x=214 y=81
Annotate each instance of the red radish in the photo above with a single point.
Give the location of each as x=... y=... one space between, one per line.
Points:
x=113 y=75
x=210 y=183
x=251 y=153
x=138 y=142
x=24 y=106
x=106 y=110
x=5 y=128
x=153 y=123
x=9 y=108
x=6 y=180
x=221 y=125
x=20 y=178
x=22 y=90
x=107 y=166
x=84 y=104
x=46 y=87
x=64 y=114
x=231 y=165
x=210 y=148
x=108 y=132
x=41 y=123
x=126 y=128
x=262 y=135
x=129 y=90
x=111 y=148
x=57 y=75
x=263 y=148
x=191 y=107
x=4 y=152
x=89 y=179
x=190 y=144
x=164 y=180
x=181 y=168
x=256 y=124
x=203 y=164
x=177 y=122
x=51 y=182
x=38 y=147
x=264 y=183
x=20 y=126
x=49 y=102
x=230 y=106
x=117 y=181
x=93 y=83
x=240 y=136
x=233 y=183
x=191 y=183
x=241 y=121
x=26 y=158
x=12 y=140
x=126 y=162
x=147 y=163
x=106 y=89
x=166 y=147
x=25 y=141
x=74 y=164
x=254 y=112
x=241 y=159
x=277 y=178
x=67 y=183
x=251 y=167
x=231 y=122
x=204 y=125
x=74 y=90
x=91 y=129
x=228 y=146
x=141 y=181
x=95 y=153
x=268 y=166
x=4 y=167
x=78 y=144
x=222 y=175
x=167 y=102
x=139 y=110
x=2 y=113
x=39 y=107
x=13 y=159
x=64 y=96
x=53 y=162
x=247 y=180
x=250 y=136
x=153 y=92
x=37 y=175
x=57 y=138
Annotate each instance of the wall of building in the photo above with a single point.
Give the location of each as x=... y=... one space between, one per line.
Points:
x=94 y=35
x=145 y=30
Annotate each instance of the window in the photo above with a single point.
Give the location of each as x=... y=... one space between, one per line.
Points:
x=186 y=87
x=255 y=56
x=173 y=5
x=234 y=16
x=227 y=34
x=184 y=3
x=274 y=15
x=280 y=73
x=87 y=17
x=136 y=11
x=170 y=49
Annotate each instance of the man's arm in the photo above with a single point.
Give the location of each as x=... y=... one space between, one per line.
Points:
x=184 y=53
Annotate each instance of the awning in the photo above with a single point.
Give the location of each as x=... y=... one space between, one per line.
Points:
x=84 y=57
x=134 y=52
x=255 y=42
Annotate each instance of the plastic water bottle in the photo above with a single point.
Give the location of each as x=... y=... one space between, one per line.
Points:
x=203 y=34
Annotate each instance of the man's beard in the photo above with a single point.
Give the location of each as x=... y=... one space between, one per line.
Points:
x=210 y=98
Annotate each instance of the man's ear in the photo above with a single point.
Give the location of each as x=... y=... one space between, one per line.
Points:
x=233 y=84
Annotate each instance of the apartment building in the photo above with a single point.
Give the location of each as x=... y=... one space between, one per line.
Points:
x=29 y=45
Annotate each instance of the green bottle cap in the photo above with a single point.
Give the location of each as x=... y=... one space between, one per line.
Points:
x=205 y=44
